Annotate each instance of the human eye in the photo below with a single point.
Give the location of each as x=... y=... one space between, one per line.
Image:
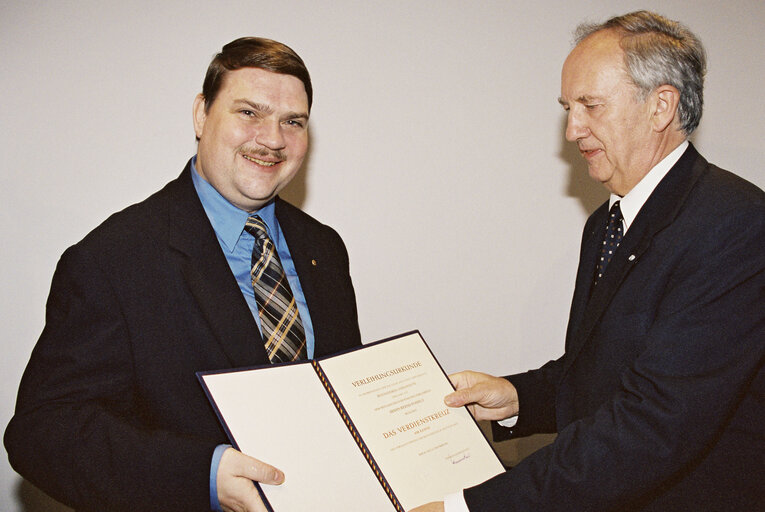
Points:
x=297 y=123
x=250 y=112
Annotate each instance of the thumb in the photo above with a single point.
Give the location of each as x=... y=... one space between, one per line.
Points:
x=254 y=469
x=462 y=397
x=270 y=475
x=264 y=473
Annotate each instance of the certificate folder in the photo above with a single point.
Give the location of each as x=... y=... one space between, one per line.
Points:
x=365 y=430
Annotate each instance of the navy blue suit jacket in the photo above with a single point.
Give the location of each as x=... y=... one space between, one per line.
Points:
x=659 y=398
x=110 y=415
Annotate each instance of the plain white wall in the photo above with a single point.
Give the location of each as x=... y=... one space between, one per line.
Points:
x=437 y=151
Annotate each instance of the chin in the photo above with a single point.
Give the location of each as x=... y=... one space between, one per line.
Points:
x=600 y=176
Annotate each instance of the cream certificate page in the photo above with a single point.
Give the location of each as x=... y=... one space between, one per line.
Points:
x=394 y=392
x=283 y=415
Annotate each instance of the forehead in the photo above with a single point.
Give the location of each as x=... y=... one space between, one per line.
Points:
x=594 y=67
x=255 y=84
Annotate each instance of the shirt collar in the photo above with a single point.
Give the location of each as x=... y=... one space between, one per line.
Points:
x=227 y=220
x=634 y=200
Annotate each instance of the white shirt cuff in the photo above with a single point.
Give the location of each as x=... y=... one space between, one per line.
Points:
x=455 y=503
x=509 y=422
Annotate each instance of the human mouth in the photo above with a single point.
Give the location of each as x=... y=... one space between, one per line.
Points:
x=588 y=154
x=264 y=163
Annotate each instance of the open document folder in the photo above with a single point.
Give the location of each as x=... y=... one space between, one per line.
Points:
x=365 y=430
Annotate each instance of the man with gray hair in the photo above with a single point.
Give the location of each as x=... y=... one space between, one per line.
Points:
x=657 y=401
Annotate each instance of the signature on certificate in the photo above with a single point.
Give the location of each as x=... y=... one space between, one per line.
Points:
x=465 y=456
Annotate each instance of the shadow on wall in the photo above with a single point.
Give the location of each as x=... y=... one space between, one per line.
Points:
x=32 y=499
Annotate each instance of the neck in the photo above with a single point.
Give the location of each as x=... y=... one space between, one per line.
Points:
x=668 y=144
x=658 y=151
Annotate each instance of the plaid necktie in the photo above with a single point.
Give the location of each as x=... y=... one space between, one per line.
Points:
x=611 y=241
x=282 y=329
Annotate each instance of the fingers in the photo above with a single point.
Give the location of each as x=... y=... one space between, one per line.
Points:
x=464 y=384
x=460 y=398
x=488 y=397
x=236 y=473
x=468 y=378
x=456 y=379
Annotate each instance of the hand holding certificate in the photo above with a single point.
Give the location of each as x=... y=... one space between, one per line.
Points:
x=363 y=430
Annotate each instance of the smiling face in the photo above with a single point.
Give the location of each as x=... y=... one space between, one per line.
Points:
x=253 y=137
x=609 y=122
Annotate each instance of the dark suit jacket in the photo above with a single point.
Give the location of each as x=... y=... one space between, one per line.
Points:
x=659 y=399
x=110 y=415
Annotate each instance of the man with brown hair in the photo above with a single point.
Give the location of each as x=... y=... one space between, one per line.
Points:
x=110 y=415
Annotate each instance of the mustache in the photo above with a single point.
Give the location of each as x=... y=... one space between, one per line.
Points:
x=263 y=152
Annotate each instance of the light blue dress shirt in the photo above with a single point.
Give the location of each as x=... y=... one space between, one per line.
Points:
x=228 y=222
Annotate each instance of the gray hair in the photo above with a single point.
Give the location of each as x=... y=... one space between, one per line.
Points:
x=659 y=51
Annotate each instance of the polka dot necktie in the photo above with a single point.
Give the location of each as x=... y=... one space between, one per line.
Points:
x=614 y=232
x=279 y=320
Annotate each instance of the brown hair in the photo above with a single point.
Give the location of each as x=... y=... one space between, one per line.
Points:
x=254 y=52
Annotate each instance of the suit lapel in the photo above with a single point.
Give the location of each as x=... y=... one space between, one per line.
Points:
x=302 y=244
x=316 y=264
x=658 y=212
x=594 y=232
x=209 y=277
x=306 y=254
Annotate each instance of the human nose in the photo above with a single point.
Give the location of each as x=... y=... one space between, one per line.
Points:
x=575 y=128
x=270 y=135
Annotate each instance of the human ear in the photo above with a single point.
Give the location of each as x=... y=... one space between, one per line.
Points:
x=199 y=115
x=665 y=101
